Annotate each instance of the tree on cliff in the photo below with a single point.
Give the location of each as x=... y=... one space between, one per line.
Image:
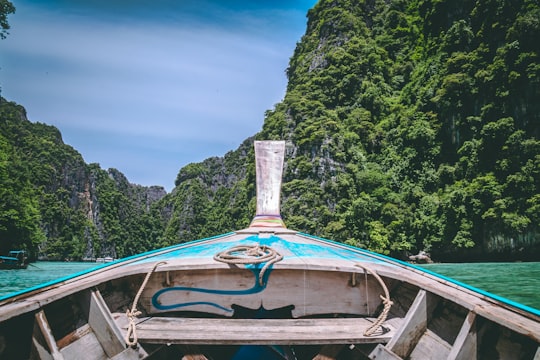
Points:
x=411 y=126
x=6 y=8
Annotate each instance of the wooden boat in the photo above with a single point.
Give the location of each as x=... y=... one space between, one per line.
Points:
x=264 y=292
x=16 y=259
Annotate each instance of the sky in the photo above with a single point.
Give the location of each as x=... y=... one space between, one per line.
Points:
x=149 y=86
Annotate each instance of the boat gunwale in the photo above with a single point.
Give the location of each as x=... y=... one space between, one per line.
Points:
x=439 y=277
x=469 y=297
x=34 y=294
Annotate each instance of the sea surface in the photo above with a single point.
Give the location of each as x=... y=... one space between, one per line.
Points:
x=517 y=281
x=12 y=281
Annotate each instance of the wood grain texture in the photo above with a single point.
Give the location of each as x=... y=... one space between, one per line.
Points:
x=161 y=330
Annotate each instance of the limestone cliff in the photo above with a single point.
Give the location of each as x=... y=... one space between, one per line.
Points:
x=59 y=207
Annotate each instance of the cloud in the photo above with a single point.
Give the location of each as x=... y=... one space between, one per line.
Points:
x=132 y=80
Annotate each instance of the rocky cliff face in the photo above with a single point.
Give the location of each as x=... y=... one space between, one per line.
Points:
x=410 y=126
x=63 y=208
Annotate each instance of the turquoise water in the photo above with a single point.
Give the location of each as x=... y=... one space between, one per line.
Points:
x=518 y=282
x=38 y=273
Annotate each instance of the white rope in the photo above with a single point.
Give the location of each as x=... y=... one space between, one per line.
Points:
x=131 y=334
x=255 y=254
x=385 y=299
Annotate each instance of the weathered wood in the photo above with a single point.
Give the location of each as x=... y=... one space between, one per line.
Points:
x=514 y=319
x=465 y=345
x=39 y=348
x=430 y=346
x=86 y=347
x=39 y=352
x=382 y=352
x=43 y=324
x=414 y=325
x=101 y=321
x=160 y=330
x=216 y=290
x=100 y=338
x=37 y=299
x=269 y=157
x=73 y=336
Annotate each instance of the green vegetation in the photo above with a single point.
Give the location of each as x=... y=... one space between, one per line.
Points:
x=410 y=125
x=6 y=8
x=57 y=207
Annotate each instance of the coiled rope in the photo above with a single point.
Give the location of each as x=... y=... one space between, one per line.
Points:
x=385 y=299
x=255 y=254
x=131 y=334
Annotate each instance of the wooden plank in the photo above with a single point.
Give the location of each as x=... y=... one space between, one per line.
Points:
x=216 y=290
x=527 y=325
x=38 y=351
x=103 y=325
x=100 y=338
x=430 y=346
x=269 y=157
x=414 y=325
x=87 y=347
x=514 y=319
x=161 y=330
x=43 y=324
x=73 y=336
x=382 y=352
x=107 y=332
x=465 y=345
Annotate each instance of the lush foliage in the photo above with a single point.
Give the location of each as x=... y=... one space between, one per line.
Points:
x=411 y=125
x=6 y=8
x=417 y=124
x=212 y=197
x=57 y=207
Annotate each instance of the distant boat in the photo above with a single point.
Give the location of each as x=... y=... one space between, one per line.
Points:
x=106 y=259
x=264 y=292
x=16 y=259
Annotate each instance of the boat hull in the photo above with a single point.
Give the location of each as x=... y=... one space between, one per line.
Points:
x=321 y=297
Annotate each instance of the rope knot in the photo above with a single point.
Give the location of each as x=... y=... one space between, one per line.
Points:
x=131 y=334
x=385 y=300
x=255 y=254
x=133 y=314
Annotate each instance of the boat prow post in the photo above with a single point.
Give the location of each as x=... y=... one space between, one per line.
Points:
x=269 y=159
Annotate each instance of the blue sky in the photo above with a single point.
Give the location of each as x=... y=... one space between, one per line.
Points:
x=148 y=86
